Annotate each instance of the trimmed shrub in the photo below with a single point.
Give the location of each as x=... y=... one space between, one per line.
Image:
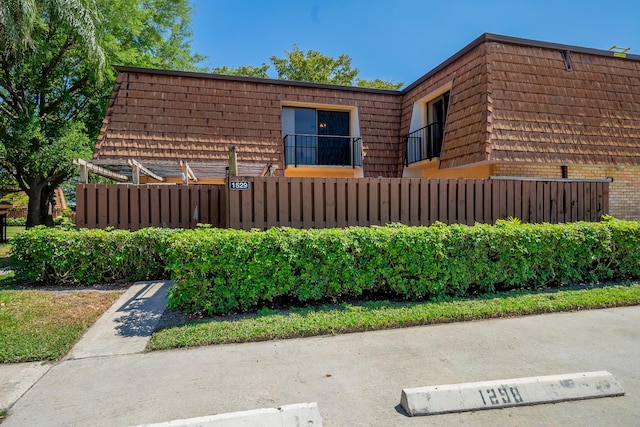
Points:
x=58 y=256
x=223 y=271
x=220 y=271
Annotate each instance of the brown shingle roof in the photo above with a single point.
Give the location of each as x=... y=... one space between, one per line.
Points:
x=543 y=112
x=511 y=100
x=177 y=115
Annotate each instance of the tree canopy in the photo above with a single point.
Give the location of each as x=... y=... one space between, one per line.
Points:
x=310 y=66
x=55 y=83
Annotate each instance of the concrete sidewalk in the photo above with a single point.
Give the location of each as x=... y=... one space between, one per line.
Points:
x=125 y=328
x=356 y=379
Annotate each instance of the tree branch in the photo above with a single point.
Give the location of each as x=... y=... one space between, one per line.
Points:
x=74 y=89
x=55 y=61
x=9 y=87
x=7 y=112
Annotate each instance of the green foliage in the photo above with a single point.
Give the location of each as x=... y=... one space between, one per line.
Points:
x=16 y=222
x=55 y=83
x=310 y=66
x=244 y=70
x=149 y=33
x=49 y=81
x=19 y=198
x=58 y=256
x=379 y=84
x=220 y=271
x=224 y=271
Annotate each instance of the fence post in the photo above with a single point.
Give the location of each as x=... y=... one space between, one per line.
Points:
x=229 y=223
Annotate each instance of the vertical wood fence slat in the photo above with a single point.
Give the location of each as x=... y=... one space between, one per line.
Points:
x=470 y=198
x=414 y=202
x=271 y=201
x=283 y=201
x=342 y=203
x=318 y=203
x=81 y=206
x=434 y=211
x=352 y=201
x=113 y=201
x=461 y=202
x=374 y=206
x=330 y=202
x=605 y=199
x=423 y=196
x=479 y=200
x=297 y=198
x=105 y=210
x=193 y=212
x=443 y=201
x=145 y=213
x=518 y=198
x=307 y=204
x=134 y=207
x=92 y=212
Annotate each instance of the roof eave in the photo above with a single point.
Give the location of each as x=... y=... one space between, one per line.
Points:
x=200 y=75
x=488 y=37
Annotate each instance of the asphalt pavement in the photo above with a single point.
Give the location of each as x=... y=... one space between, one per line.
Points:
x=356 y=379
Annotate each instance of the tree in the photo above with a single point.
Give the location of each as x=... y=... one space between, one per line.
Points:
x=311 y=66
x=149 y=33
x=244 y=70
x=378 y=84
x=48 y=76
x=54 y=83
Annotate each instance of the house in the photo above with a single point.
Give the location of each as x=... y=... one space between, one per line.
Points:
x=501 y=106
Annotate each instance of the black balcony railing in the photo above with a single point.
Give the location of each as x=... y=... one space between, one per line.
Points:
x=425 y=143
x=322 y=150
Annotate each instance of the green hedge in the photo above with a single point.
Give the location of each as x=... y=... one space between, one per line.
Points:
x=21 y=222
x=17 y=221
x=224 y=271
x=58 y=256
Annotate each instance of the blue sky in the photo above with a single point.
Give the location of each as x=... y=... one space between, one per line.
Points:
x=403 y=39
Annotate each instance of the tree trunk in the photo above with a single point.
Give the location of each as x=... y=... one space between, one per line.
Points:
x=40 y=198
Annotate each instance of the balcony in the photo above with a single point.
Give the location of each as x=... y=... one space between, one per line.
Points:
x=322 y=150
x=424 y=143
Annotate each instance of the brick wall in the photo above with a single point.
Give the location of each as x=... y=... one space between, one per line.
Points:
x=624 y=191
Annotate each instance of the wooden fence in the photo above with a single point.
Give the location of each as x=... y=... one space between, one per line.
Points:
x=340 y=202
x=22 y=212
x=133 y=207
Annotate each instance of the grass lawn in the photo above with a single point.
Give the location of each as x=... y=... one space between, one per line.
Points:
x=44 y=324
x=38 y=325
x=268 y=324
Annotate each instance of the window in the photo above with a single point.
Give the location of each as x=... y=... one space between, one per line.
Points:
x=318 y=137
x=426 y=143
x=436 y=112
